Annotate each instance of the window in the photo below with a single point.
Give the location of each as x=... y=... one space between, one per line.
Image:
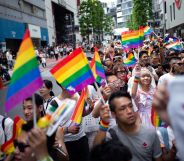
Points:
x=171 y=12
x=174 y=11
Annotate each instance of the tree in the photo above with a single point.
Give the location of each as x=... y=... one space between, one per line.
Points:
x=142 y=12
x=92 y=17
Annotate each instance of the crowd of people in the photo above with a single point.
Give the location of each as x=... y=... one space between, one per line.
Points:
x=7 y=58
x=119 y=130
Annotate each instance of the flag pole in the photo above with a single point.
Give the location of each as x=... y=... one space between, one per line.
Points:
x=99 y=93
x=34 y=111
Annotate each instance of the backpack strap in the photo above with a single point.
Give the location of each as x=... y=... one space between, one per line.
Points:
x=3 y=126
x=165 y=137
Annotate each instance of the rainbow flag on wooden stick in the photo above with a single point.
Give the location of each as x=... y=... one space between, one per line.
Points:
x=8 y=146
x=97 y=68
x=147 y=31
x=77 y=115
x=132 y=39
x=73 y=72
x=175 y=45
x=26 y=78
x=130 y=61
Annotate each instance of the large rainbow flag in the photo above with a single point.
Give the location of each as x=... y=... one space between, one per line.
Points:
x=147 y=31
x=26 y=78
x=130 y=61
x=97 y=68
x=77 y=114
x=175 y=45
x=73 y=72
x=132 y=39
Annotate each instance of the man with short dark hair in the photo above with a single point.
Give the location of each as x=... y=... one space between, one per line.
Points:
x=142 y=141
x=174 y=64
x=110 y=150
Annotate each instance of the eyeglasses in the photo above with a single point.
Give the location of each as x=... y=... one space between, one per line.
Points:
x=121 y=72
x=22 y=146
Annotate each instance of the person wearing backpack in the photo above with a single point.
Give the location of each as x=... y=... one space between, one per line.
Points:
x=6 y=132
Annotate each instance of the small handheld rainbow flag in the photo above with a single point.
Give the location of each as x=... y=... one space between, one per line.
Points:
x=97 y=68
x=132 y=39
x=147 y=31
x=26 y=78
x=77 y=114
x=73 y=72
x=175 y=45
x=130 y=61
x=155 y=119
x=8 y=146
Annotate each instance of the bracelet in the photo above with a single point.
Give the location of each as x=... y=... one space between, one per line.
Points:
x=103 y=126
x=136 y=79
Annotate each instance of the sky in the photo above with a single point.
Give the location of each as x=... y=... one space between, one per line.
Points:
x=109 y=2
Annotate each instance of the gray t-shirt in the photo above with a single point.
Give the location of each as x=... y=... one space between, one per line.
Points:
x=144 y=145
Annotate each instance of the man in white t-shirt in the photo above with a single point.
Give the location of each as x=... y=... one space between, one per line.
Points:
x=174 y=69
x=6 y=132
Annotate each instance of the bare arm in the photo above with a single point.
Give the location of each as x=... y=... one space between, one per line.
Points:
x=136 y=80
x=100 y=136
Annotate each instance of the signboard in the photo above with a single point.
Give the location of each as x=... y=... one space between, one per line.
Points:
x=178 y=3
x=34 y=31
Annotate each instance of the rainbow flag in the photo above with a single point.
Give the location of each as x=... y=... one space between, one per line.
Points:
x=73 y=72
x=175 y=45
x=130 y=61
x=8 y=146
x=147 y=31
x=155 y=119
x=26 y=78
x=97 y=68
x=77 y=114
x=132 y=39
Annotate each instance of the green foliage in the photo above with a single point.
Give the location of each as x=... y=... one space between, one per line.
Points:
x=142 y=12
x=92 y=16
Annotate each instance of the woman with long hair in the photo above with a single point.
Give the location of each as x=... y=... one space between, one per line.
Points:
x=142 y=93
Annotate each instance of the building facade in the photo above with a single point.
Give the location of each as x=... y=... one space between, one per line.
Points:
x=62 y=21
x=172 y=12
x=123 y=11
x=16 y=16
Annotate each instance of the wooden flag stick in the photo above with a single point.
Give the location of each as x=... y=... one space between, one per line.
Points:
x=99 y=93
x=34 y=111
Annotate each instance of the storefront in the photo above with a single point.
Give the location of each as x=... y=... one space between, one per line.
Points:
x=11 y=34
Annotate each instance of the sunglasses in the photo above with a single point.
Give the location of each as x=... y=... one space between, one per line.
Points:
x=22 y=146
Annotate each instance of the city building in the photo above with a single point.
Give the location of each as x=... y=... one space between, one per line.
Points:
x=172 y=21
x=62 y=21
x=16 y=16
x=123 y=11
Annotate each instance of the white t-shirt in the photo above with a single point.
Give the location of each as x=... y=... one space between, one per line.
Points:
x=69 y=136
x=8 y=131
x=165 y=78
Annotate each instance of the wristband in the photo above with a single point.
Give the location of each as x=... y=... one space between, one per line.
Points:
x=103 y=126
x=136 y=79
